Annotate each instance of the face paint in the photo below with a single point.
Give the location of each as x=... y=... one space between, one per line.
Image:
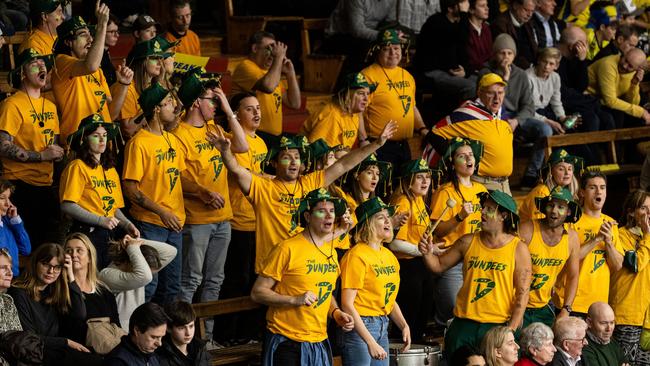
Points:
x=153 y=61
x=561 y=211
x=460 y=159
x=93 y=139
x=490 y=213
x=319 y=214
x=34 y=70
x=285 y=161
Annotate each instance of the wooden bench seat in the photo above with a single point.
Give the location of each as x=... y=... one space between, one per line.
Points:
x=236 y=354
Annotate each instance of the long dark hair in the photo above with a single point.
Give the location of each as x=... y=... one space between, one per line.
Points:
x=107 y=158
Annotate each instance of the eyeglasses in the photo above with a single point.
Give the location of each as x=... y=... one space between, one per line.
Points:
x=50 y=267
x=582 y=340
x=114 y=32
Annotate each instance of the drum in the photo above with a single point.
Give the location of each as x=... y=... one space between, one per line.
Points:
x=417 y=355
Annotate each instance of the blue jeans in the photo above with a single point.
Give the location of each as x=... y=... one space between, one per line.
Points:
x=355 y=350
x=205 y=248
x=446 y=289
x=165 y=286
x=535 y=130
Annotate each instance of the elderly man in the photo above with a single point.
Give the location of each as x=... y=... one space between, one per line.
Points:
x=394 y=99
x=602 y=350
x=481 y=120
x=570 y=338
x=615 y=80
x=546 y=27
x=179 y=28
x=516 y=22
x=261 y=73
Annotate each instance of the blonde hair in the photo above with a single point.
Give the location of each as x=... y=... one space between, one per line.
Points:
x=549 y=53
x=367 y=230
x=573 y=187
x=91 y=275
x=493 y=340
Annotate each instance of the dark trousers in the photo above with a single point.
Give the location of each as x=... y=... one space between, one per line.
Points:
x=288 y=353
x=415 y=296
x=239 y=279
x=39 y=208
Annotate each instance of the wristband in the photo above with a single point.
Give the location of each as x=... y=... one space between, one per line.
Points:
x=458 y=218
x=334 y=311
x=125 y=84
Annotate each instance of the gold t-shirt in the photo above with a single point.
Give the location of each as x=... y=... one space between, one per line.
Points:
x=21 y=117
x=39 y=41
x=548 y=262
x=190 y=43
x=243 y=218
x=333 y=126
x=96 y=190
x=472 y=223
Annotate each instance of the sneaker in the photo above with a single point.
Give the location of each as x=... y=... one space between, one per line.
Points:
x=213 y=346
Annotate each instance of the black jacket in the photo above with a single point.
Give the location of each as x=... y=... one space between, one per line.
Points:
x=169 y=355
x=127 y=354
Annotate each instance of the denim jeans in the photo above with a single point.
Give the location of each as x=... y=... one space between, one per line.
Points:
x=355 y=350
x=535 y=130
x=205 y=247
x=446 y=287
x=166 y=284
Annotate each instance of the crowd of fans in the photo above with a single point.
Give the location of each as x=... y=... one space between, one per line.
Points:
x=133 y=191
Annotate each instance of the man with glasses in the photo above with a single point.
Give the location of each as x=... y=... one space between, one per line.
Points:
x=615 y=81
x=79 y=85
x=179 y=28
x=602 y=350
x=206 y=234
x=570 y=338
x=261 y=73
x=29 y=143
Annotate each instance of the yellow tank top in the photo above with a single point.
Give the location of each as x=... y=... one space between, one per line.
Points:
x=548 y=262
x=488 y=289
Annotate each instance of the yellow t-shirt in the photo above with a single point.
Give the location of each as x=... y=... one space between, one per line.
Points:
x=488 y=290
x=20 y=117
x=629 y=293
x=593 y=282
x=78 y=97
x=344 y=242
x=394 y=99
x=418 y=220
x=548 y=262
x=156 y=166
x=274 y=203
x=40 y=41
x=593 y=46
x=298 y=266
x=243 y=218
x=244 y=78
x=204 y=167
x=528 y=210
x=496 y=136
x=131 y=107
x=96 y=190
x=472 y=223
x=333 y=126
x=375 y=276
x=190 y=43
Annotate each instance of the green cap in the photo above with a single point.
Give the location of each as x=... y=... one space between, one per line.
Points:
x=447 y=163
x=319 y=149
x=504 y=200
x=87 y=126
x=562 y=156
x=357 y=81
x=69 y=26
x=385 y=170
x=420 y=166
x=310 y=200
x=43 y=6
x=563 y=194
x=25 y=57
x=144 y=49
x=151 y=97
x=388 y=36
x=166 y=46
x=370 y=207
x=194 y=83
x=288 y=142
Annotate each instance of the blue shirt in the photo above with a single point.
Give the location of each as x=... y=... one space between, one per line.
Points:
x=14 y=237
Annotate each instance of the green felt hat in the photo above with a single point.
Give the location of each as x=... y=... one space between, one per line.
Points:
x=357 y=81
x=194 y=83
x=563 y=194
x=144 y=49
x=25 y=57
x=310 y=200
x=87 y=126
x=151 y=97
x=388 y=36
x=43 y=6
x=447 y=163
x=319 y=149
x=504 y=200
x=288 y=142
x=385 y=172
x=370 y=207
x=562 y=156
x=420 y=166
x=66 y=30
x=166 y=46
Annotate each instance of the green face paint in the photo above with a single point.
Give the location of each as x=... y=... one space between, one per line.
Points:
x=490 y=213
x=562 y=211
x=34 y=70
x=93 y=139
x=153 y=61
x=320 y=214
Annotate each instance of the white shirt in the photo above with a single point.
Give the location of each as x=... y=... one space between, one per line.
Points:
x=570 y=360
